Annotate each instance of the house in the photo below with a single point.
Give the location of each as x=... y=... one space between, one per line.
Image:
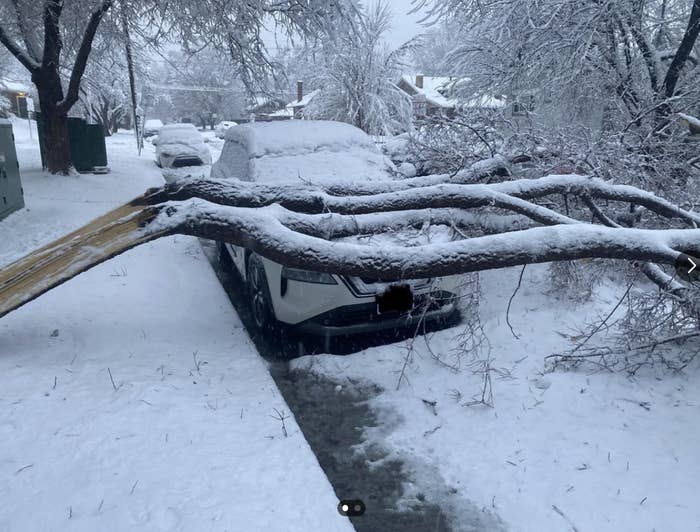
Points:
x=16 y=93
x=262 y=106
x=434 y=95
x=430 y=95
x=295 y=108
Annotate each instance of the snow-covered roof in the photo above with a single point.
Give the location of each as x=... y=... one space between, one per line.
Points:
x=432 y=88
x=435 y=88
x=15 y=86
x=304 y=101
x=294 y=150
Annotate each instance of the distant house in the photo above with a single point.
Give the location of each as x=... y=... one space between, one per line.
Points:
x=262 y=106
x=430 y=95
x=295 y=109
x=16 y=92
x=434 y=95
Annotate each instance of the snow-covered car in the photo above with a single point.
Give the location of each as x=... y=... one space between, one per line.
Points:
x=151 y=127
x=329 y=305
x=222 y=127
x=179 y=145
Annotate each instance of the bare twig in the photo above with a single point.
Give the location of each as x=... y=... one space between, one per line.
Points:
x=510 y=301
x=281 y=417
x=116 y=388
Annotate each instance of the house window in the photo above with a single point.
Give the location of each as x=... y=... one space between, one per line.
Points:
x=524 y=105
x=420 y=106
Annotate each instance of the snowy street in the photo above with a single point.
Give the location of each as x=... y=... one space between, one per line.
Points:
x=132 y=397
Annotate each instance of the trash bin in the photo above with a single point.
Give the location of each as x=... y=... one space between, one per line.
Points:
x=87 y=144
x=11 y=193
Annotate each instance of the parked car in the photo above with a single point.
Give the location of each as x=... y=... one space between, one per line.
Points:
x=320 y=303
x=152 y=127
x=179 y=145
x=222 y=127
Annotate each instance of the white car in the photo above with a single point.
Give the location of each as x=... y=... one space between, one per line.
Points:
x=179 y=145
x=222 y=127
x=152 y=127
x=320 y=303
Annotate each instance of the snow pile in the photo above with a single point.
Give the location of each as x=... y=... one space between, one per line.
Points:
x=300 y=150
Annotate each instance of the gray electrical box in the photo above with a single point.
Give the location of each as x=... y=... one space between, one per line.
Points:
x=11 y=194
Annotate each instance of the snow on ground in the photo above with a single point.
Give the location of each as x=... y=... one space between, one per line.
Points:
x=131 y=397
x=559 y=451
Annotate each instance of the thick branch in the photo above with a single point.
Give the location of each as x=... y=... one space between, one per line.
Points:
x=258 y=230
x=652 y=271
x=82 y=56
x=52 y=35
x=22 y=56
x=28 y=37
x=684 y=50
x=507 y=195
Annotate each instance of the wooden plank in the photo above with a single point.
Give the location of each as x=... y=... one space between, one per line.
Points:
x=107 y=236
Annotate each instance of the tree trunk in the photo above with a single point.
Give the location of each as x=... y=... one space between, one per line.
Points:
x=57 y=159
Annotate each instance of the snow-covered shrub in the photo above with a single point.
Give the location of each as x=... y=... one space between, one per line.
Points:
x=447 y=144
x=355 y=74
x=574 y=280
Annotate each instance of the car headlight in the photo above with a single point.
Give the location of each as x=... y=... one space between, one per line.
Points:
x=307 y=276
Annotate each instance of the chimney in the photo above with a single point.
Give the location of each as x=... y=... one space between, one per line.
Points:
x=300 y=90
x=419 y=81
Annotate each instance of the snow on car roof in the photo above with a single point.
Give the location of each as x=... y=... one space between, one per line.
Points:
x=184 y=133
x=292 y=137
x=153 y=122
x=300 y=150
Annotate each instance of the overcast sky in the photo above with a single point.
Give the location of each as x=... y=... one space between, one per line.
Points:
x=405 y=26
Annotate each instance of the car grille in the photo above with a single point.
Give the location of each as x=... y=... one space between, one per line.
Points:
x=368 y=285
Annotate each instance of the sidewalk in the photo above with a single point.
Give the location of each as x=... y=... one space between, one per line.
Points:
x=131 y=397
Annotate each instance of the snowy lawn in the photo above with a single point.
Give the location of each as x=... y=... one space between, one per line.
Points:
x=131 y=397
x=558 y=451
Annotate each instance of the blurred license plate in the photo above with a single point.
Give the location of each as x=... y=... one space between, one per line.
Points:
x=397 y=298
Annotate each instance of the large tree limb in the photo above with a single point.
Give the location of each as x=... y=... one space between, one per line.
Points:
x=82 y=56
x=259 y=217
x=264 y=233
x=312 y=199
x=21 y=55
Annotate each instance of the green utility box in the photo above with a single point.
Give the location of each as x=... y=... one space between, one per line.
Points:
x=87 y=145
x=11 y=194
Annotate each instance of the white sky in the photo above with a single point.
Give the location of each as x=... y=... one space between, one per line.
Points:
x=405 y=26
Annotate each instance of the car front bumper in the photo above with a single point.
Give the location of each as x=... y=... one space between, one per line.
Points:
x=364 y=318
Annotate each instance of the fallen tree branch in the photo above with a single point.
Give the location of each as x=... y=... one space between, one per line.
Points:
x=291 y=225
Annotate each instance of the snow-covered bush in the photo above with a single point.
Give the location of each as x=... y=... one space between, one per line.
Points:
x=355 y=70
x=448 y=144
